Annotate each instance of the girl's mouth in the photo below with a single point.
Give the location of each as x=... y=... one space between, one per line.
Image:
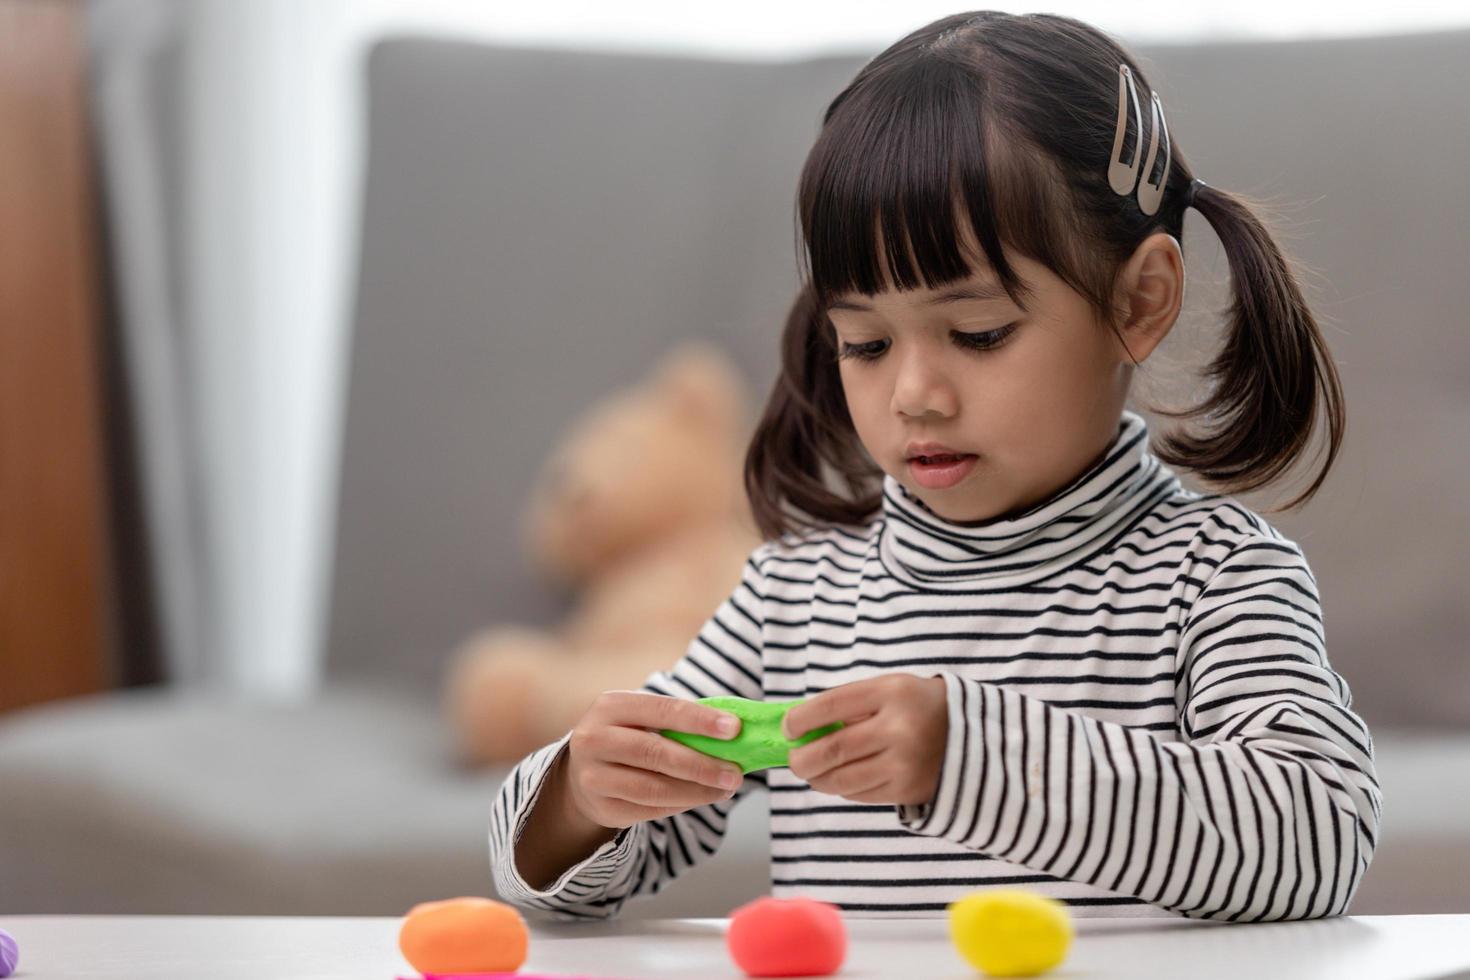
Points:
x=941 y=472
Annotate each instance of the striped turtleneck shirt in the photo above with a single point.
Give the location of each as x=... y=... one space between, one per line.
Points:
x=1142 y=717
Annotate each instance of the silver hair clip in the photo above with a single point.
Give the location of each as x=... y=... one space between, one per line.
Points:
x=1150 y=194
x=1123 y=177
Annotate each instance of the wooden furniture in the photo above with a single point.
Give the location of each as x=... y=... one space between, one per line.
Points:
x=53 y=505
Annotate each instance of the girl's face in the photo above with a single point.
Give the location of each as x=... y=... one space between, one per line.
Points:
x=1036 y=396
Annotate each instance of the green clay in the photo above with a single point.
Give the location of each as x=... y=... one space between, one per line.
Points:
x=760 y=744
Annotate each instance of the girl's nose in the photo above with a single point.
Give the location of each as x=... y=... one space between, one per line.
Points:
x=922 y=387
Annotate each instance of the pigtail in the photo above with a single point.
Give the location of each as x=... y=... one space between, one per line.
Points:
x=1270 y=373
x=806 y=424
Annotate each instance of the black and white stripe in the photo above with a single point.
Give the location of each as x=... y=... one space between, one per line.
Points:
x=1142 y=716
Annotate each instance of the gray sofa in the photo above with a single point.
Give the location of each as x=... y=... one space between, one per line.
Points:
x=536 y=227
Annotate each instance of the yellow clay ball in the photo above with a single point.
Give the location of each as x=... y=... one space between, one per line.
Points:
x=1010 y=932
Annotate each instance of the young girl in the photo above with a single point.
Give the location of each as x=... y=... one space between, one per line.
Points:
x=1057 y=667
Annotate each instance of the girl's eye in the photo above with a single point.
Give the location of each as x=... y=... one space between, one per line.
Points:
x=988 y=339
x=984 y=341
x=863 y=352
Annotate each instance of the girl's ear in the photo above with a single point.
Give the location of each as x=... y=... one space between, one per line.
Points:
x=1150 y=294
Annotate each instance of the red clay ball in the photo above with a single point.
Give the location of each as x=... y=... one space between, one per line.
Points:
x=787 y=937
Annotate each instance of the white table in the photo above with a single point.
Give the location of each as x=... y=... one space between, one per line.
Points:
x=1371 y=947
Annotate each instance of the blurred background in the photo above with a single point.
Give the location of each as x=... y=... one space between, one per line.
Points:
x=297 y=297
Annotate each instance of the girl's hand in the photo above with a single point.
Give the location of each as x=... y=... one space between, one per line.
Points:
x=620 y=770
x=892 y=744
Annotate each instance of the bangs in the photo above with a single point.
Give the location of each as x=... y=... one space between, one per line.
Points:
x=905 y=188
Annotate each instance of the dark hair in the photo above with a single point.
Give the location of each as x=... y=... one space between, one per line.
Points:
x=1006 y=122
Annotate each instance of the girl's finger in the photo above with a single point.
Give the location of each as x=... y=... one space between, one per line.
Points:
x=848 y=744
x=846 y=703
x=652 y=789
x=641 y=709
x=855 y=778
x=645 y=750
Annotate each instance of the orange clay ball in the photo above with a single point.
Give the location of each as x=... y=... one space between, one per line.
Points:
x=464 y=935
x=787 y=937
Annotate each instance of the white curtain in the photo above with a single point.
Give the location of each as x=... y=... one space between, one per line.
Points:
x=224 y=130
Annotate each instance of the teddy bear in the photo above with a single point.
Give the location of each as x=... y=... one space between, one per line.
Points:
x=641 y=513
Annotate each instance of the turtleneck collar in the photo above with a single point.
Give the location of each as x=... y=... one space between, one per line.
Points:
x=919 y=547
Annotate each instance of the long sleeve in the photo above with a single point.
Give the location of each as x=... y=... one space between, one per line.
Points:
x=723 y=659
x=1267 y=807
